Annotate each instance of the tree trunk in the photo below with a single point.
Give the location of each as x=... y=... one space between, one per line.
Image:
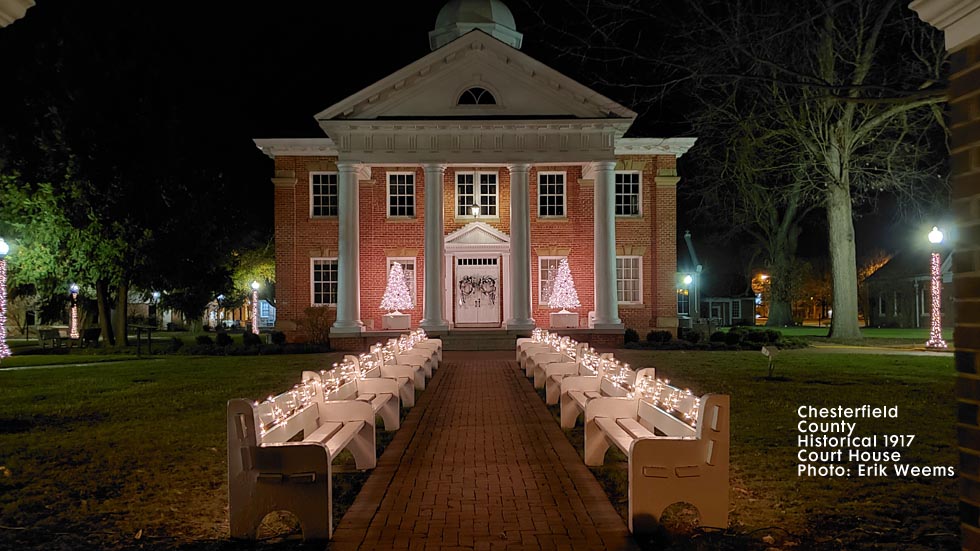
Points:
x=102 y=297
x=843 y=265
x=122 y=307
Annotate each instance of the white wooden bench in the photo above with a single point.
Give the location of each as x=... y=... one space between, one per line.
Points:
x=585 y=365
x=547 y=341
x=388 y=355
x=536 y=336
x=614 y=379
x=280 y=453
x=409 y=344
x=403 y=374
x=385 y=358
x=421 y=340
x=403 y=356
x=381 y=394
x=678 y=450
x=538 y=354
x=539 y=362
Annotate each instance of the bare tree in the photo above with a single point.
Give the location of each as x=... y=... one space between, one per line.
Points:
x=841 y=100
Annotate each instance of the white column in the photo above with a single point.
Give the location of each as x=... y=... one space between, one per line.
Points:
x=520 y=249
x=435 y=250
x=606 y=305
x=348 y=261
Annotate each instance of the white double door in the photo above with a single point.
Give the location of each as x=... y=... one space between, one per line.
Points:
x=477 y=293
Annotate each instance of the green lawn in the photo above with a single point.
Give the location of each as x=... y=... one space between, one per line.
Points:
x=920 y=335
x=99 y=453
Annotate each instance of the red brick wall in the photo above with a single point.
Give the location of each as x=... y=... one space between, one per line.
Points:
x=298 y=237
x=964 y=101
x=380 y=235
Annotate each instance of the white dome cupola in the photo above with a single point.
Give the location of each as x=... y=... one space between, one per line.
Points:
x=459 y=17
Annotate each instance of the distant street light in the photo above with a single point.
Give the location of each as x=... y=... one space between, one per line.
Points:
x=936 y=341
x=4 y=249
x=73 y=319
x=255 y=307
x=688 y=279
x=156 y=310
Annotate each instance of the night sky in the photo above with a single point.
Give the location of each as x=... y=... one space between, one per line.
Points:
x=232 y=75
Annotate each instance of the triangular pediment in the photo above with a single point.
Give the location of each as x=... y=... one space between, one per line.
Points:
x=477 y=233
x=429 y=88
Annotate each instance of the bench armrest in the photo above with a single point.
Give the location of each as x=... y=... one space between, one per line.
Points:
x=582 y=382
x=392 y=371
x=561 y=368
x=614 y=408
x=377 y=385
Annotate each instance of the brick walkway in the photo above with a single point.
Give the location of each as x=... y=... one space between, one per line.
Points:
x=479 y=463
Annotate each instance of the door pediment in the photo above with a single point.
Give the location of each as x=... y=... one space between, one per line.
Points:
x=477 y=236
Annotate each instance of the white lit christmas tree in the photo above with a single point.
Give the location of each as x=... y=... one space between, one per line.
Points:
x=397 y=296
x=563 y=294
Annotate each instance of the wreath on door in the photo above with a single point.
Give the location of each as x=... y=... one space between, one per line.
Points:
x=470 y=285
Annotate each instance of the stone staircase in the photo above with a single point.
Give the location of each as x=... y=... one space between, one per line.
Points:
x=473 y=339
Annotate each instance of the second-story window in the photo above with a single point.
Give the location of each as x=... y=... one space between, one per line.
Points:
x=401 y=194
x=323 y=194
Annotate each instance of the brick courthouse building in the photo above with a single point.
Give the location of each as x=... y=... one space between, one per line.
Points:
x=480 y=164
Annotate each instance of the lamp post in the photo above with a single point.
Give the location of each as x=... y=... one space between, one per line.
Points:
x=692 y=311
x=157 y=315
x=936 y=341
x=4 y=249
x=255 y=307
x=73 y=318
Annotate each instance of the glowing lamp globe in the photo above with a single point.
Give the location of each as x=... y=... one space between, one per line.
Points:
x=255 y=285
x=935 y=236
x=73 y=288
x=156 y=295
x=688 y=279
x=475 y=210
x=4 y=248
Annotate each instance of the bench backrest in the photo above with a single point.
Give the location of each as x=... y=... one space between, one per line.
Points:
x=711 y=427
x=332 y=385
x=608 y=387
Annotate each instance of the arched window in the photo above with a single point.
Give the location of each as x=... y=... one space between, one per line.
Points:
x=476 y=96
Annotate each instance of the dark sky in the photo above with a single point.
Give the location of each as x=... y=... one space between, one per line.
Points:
x=239 y=71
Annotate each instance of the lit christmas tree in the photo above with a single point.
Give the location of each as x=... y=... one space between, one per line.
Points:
x=396 y=295
x=563 y=294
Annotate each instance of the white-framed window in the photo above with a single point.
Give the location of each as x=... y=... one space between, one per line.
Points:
x=629 y=279
x=401 y=194
x=547 y=270
x=323 y=281
x=683 y=302
x=882 y=307
x=628 y=186
x=323 y=194
x=736 y=310
x=551 y=194
x=476 y=187
x=408 y=270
